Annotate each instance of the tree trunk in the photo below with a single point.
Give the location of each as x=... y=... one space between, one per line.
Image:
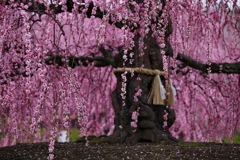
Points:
x=150 y=120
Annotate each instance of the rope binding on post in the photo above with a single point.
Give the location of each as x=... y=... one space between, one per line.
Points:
x=157 y=94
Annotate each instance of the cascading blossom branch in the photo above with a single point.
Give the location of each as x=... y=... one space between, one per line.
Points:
x=37 y=96
x=208 y=105
x=49 y=71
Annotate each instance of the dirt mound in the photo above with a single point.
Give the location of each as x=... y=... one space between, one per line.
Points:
x=143 y=151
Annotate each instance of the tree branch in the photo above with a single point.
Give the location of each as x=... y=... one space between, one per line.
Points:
x=228 y=68
x=60 y=60
x=40 y=8
x=73 y=61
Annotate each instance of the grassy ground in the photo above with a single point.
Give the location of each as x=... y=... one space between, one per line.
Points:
x=74 y=135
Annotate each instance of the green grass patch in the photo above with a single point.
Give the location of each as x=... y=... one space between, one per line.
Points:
x=74 y=134
x=236 y=139
x=191 y=144
x=100 y=139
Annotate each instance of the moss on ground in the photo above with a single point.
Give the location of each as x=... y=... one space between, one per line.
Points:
x=191 y=144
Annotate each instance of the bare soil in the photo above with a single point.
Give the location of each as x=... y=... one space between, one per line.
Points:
x=139 y=151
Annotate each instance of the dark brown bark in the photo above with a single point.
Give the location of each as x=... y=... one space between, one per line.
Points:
x=150 y=121
x=227 y=68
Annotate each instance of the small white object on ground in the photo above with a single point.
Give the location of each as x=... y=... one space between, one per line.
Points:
x=63 y=137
